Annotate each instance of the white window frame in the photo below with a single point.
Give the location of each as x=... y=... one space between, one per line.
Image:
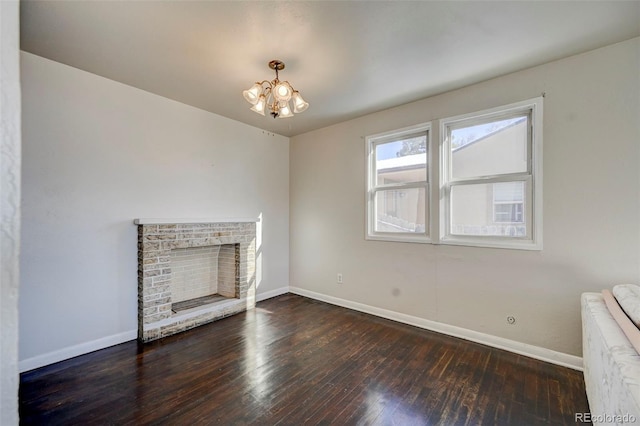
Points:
x=532 y=177
x=372 y=187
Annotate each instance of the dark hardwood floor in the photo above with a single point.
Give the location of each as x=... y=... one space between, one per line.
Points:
x=293 y=361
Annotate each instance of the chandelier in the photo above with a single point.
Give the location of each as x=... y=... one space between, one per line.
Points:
x=275 y=95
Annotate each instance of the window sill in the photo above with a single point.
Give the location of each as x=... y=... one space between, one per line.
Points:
x=400 y=238
x=492 y=243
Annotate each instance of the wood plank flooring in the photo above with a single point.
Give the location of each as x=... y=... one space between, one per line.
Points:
x=295 y=361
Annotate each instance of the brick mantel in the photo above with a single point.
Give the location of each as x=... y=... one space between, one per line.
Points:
x=156 y=239
x=176 y=221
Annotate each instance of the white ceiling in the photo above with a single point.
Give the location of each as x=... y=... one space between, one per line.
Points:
x=346 y=58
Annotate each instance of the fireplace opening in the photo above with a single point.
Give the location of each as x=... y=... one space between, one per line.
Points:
x=203 y=275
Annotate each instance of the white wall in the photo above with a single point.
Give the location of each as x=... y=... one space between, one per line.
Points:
x=10 y=208
x=591 y=209
x=98 y=154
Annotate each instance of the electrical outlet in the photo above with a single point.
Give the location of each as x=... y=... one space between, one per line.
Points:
x=339 y=280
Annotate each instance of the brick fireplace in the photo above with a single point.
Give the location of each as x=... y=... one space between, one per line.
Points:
x=193 y=272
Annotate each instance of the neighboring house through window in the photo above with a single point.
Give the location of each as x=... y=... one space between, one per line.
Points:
x=508 y=202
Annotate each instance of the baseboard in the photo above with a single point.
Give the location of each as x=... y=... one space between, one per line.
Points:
x=105 y=342
x=76 y=350
x=271 y=293
x=543 y=354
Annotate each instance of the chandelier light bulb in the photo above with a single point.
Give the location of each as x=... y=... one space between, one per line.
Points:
x=274 y=95
x=282 y=92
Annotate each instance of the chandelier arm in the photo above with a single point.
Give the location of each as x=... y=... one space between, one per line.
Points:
x=268 y=94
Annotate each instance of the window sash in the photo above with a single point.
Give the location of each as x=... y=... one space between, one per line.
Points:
x=414 y=228
x=449 y=125
x=528 y=207
x=373 y=171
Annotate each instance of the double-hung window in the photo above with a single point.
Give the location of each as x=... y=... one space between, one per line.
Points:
x=398 y=185
x=491 y=177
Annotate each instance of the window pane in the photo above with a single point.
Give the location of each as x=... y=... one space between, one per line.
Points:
x=402 y=161
x=492 y=148
x=400 y=210
x=476 y=211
